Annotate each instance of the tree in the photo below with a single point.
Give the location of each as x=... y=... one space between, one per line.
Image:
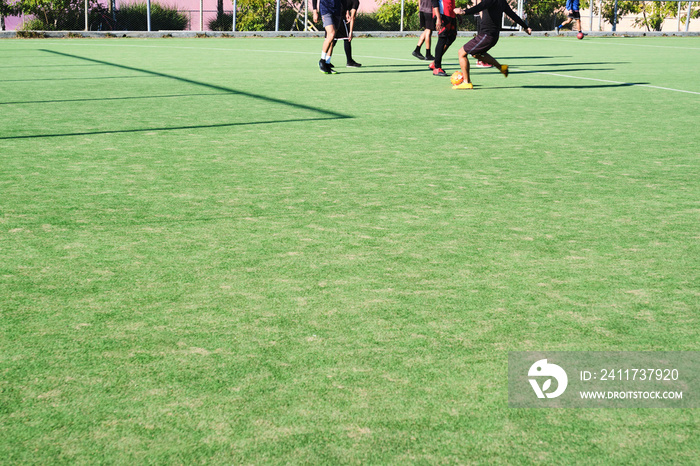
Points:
x=57 y=14
x=654 y=14
x=544 y=15
x=389 y=14
x=255 y=15
x=623 y=8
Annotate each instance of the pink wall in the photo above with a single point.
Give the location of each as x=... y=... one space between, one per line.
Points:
x=12 y=22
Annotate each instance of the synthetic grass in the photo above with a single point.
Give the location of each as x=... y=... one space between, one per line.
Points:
x=211 y=252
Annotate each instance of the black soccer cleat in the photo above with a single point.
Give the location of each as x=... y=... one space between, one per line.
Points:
x=418 y=55
x=353 y=64
x=428 y=56
x=323 y=66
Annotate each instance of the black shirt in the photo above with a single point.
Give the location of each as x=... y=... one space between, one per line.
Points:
x=490 y=24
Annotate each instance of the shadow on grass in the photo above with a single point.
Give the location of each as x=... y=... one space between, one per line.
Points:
x=168 y=128
x=69 y=79
x=368 y=71
x=325 y=114
x=418 y=64
x=50 y=66
x=198 y=83
x=579 y=64
x=565 y=70
x=588 y=86
x=107 y=99
x=568 y=86
x=531 y=58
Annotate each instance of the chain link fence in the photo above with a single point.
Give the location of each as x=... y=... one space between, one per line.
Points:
x=290 y=15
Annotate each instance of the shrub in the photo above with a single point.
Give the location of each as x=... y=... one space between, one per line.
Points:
x=34 y=24
x=256 y=15
x=389 y=15
x=133 y=17
x=368 y=22
x=221 y=23
x=56 y=15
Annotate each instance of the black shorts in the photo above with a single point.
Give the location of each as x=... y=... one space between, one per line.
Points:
x=480 y=44
x=449 y=28
x=427 y=21
x=342 y=30
x=575 y=14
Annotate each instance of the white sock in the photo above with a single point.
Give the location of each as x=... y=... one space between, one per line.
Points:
x=324 y=55
x=328 y=59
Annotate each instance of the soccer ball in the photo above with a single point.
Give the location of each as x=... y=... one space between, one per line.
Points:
x=457 y=78
x=579 y=35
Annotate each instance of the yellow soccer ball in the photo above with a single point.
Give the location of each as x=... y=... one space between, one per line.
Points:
x=457 y=78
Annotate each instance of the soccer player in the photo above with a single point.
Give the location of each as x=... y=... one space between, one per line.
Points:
x=331 y=14
x=427 y=22
x=477 y=17
x=347 y=27
x=572 y=6
x=445 y=15
x=486 y=37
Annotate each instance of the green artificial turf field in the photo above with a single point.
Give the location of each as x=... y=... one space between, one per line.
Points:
x=212 y=253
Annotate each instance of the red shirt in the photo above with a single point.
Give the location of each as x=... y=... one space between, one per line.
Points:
x=447 y=7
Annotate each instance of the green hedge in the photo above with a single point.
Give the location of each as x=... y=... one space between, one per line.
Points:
x=132 y=17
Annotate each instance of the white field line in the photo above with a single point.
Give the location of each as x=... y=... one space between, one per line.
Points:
x=609 y=41
x=389 y=59
x=606 y=81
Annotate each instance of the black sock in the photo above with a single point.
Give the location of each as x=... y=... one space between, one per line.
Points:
x=417 y=48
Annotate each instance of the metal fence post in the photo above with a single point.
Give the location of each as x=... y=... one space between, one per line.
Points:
x=201 y=15
x=277 y=16
x=235 y=7
x=148 y=15
x=687 y=20
x=86 y=15
x=614 y=25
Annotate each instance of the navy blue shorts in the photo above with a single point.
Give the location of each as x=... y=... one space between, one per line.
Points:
x=480 y=44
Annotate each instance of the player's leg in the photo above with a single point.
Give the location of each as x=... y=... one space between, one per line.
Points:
x=327 y=50
x=331 y=23
x=330 y=38
x=451 y=36
x=421 y=39
x=439 y=52
x=564 y=23
x=428 y=37
x=446 y=37
x=577 y=14
x=486 y=58
x=569 y=12
x=351 y=63
x=327 y=43
x=429 y=28
x=416 y=52
x=464 y=65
